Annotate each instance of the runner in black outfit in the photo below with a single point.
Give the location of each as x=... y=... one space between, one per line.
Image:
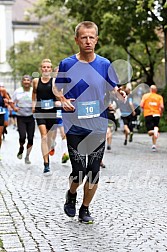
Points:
x=44 y=109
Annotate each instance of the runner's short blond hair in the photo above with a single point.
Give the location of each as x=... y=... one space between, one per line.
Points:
x=86 y=24
x=46 y=61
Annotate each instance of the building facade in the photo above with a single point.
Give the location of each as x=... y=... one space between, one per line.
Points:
x=16 y=25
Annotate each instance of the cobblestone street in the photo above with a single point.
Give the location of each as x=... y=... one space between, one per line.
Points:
x=129 y=207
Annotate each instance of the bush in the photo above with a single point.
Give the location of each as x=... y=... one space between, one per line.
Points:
x=162 y=124
x=142 y=128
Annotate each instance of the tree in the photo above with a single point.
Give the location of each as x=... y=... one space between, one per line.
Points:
x=23 y=59
x=133 y=25
x=160 y=17
x=55 y=40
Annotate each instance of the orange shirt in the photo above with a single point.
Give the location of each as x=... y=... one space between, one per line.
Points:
x=152 y=104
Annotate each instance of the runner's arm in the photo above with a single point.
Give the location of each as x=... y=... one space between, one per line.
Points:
x=66 y=103
x=34 y=93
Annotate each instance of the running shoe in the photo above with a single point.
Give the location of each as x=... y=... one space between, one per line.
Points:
x=19 y=156
x=47 y=171
x=69 y=206
x=102 y=165
x=65 y=158
x=108 y=147
x=125 y=142
x=154 y=149
x=20 y=153
x=85 y=216
x=27 y=161
x=131 y=137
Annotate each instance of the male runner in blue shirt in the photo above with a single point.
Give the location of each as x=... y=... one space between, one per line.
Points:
x=81 y=85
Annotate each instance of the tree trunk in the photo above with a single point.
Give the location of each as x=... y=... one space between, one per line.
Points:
x=165 y=49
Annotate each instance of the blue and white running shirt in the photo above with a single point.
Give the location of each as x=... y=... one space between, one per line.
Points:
x=87 y=83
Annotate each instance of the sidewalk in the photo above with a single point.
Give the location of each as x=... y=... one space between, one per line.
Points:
x=129 y=207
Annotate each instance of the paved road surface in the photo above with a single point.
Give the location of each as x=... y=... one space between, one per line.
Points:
x=130 y=207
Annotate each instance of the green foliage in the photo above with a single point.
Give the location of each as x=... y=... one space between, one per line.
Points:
x=1 y=246
x=55 y=41
x=164 y=94
x=142 y=128
x=163 y=121
x=133 y=25
x=162 y=124
x=22 y=60
x=126 y=27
